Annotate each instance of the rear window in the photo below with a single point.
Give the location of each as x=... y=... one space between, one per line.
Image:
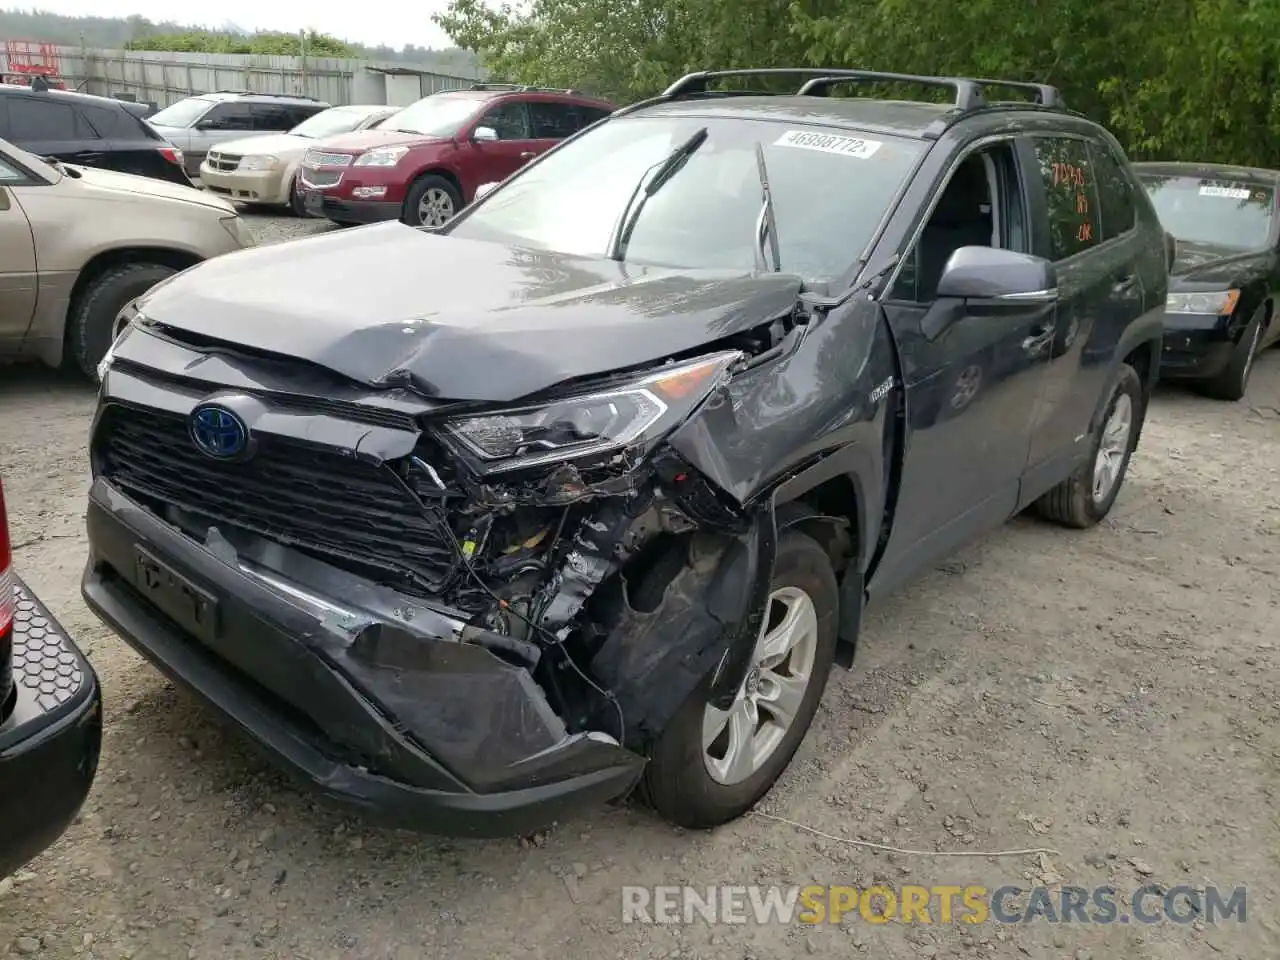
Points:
x=830 y=189
x=1229 y=213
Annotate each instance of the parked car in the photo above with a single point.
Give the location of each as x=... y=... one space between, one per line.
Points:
x=265 y=169
x=200 y=123
x=1226 y=271
x=50 y=719
x=423 y=164
x=77 y=244
x=87 y=130
x=591 y=485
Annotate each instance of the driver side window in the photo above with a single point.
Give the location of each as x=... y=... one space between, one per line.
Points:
x=981 y=206
x=509 y=119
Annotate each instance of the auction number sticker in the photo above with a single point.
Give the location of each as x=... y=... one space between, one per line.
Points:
x=1227 y=193
x=829 y=143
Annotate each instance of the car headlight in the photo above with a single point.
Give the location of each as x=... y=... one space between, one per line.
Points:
x=630 y=414
x=264 y=162
x=381 y=157
x=239 y=231
x=1216 y=303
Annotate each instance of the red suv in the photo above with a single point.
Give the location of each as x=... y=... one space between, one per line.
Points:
x=423 y=164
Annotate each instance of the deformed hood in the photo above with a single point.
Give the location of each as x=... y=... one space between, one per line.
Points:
x=458 y=319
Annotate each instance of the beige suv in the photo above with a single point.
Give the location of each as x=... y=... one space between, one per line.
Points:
x=77 y=244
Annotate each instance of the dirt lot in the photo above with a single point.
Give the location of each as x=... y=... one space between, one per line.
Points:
x=1110 y=695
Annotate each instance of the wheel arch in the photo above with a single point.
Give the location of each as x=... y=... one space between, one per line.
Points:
x=106 y=260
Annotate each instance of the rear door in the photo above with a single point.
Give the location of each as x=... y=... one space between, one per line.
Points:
x=47 y=127
x=272 y=117
x=18 y=275
x=124 y=144
x=1092 y=236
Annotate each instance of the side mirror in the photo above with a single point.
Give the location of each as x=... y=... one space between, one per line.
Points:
x=484 y=189
x=982 y=279
x=484 y=134
x=1004 y=276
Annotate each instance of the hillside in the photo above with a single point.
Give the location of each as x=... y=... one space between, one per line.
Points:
x=118 y=32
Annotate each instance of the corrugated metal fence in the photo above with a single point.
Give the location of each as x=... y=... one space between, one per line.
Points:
x=165 y=77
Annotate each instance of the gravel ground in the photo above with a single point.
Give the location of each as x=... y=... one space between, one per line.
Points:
x=1110 y=695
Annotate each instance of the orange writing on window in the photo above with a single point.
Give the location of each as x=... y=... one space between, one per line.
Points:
x=1082 y=204
x=1068 y=174
x=1085 y=233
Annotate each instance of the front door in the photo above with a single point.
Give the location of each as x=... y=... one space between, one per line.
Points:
x=972 y=392
x=495 y=160
x=18 y=276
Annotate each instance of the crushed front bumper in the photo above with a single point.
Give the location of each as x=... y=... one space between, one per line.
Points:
x=50 y=737
x=395 y=717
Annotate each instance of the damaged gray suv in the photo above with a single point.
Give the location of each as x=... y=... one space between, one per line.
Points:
x=587 y=489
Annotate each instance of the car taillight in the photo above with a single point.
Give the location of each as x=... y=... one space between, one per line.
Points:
x=172 y=154
x=6 y=607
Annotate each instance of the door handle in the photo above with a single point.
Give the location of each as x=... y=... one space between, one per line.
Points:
x=1124 y=281
x=527 y=155
x=88 y=157
x=1039 y=339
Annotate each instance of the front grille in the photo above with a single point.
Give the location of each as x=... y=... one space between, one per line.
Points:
x=318 y=158
x=225 y=162
x=313 y=498
x=321 y=178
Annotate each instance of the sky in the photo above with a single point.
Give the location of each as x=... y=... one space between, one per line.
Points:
x=377 y=25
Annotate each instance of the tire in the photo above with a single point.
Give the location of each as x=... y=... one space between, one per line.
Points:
x=296 y=206
x=678 y=783
x=1232 y=382
x=1073 y=502
x=430 y=188
x=91 y=324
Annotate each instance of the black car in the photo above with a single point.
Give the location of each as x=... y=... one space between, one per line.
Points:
x=50 y=720
x=594 y=490
x=87 y=130
x=1226 y=271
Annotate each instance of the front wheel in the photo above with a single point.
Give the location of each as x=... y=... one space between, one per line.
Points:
x=711 y=766
x=432 y=202
x=1232 y=383
x=1087 y=496
x=94 y=322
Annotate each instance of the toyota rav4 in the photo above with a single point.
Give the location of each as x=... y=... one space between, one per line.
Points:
x=589 y=487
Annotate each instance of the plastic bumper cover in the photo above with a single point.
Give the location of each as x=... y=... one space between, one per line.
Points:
x=422 y=733
x=51 y=737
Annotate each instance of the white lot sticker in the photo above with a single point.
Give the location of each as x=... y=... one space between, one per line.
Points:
x=829 y=143
x=1228 y=193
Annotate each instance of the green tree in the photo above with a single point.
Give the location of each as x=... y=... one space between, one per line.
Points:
x=1191 y=79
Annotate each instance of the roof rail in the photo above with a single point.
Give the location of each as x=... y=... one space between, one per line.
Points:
x=968 y=91
x=284 y=96
x=520 y=88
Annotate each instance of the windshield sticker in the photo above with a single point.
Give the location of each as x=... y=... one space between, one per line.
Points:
x=829 y=143
x=1227 y=193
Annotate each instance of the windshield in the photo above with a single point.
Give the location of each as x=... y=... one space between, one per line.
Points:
x=181 y=114
x=1221 y=212
x=328 y=123
x=434 y=116
x=830 y=189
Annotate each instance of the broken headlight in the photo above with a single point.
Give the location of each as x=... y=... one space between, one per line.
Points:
x=611 y=419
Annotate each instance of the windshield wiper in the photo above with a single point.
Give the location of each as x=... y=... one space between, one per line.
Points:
x=663 y=171
x=767 y=225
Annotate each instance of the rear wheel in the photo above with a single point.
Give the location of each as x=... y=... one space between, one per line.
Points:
x=711 y=766
x=1087 y=495
x=94 y=321
x=1232 y=382
x=432 y=202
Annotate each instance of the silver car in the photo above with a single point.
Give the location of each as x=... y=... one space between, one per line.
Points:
x=197 y=123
